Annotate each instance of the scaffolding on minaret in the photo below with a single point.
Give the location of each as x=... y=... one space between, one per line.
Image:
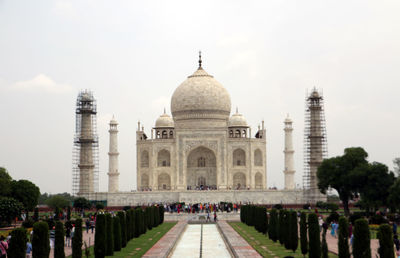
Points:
x=85 y=154
x=315 y=140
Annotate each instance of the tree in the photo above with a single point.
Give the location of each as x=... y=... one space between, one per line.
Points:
x=40 y=240
x=100 y=237
x=293 y=231
x=128 y=225
x=385 y=241
x=342 y=174
x=59 y=241
x=324 y=245
x=161 y=209
x=17 y=245
x=77 y=240
x=281 y=227
x=117 y=233
x=343 y=242
x=5 y=182
x=396 y=163
x=273 y=225
x=109 y=235
x=313 y=236
x=376 y=182
x=303 y=233
x=361 y=242
x=9 y=209
x=122 y=221
x=57 y=202
x=69 y=213
x=286 y=223
x=133 y=224
x=81 y=203
x=25 y=192
x=36 y=214
x=394 y=194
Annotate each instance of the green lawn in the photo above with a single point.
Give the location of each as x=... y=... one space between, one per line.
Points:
x=137 y=247
x=262 y=244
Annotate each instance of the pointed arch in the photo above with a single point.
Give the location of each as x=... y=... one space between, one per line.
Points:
x=239 y=157
x=258 y=180
x=258 y=159
x=144 y=159
x=163 y=158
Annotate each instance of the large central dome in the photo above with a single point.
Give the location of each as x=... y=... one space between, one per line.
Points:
x=200 y=96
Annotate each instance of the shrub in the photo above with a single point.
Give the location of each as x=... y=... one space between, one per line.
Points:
x=28 y=223
x=17 y=245
x=303 y=234
x=161 y=210
x=109 y=235
x=314 y=246
x=9 y=209
x=343 y=243
x=355 y=216
x=122 y=221
x=332 y=206
x=117 y=233
x=361 y=241
x=281 y=227
x=277 y=206
x=286 y=223
x=306 y=206
x=293 y=231
x=385 y=241
x=40 y=240
x=273 y=225
x=378 y=219
x=133 y=225
x=324 y=245
x=100 y=237
x=137 y=223
x=334 y=216
x=157 y=215
x=59 y=241
x=128 y=225
x=77 y=240
x=69 y=212
x=36 y=214
x=99 y=206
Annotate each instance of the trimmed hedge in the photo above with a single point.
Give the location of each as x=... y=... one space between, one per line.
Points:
x=161 y=210
x=59 y=241
x=17 y=245
x=293 y=231
x=117 y=233
x=273 y=225
x=77 y=240
x=40 y=240
x=385 y=237
x=343 y=244
x=313 y=236
x=303 y=234
x=100 y=236
x=122 y=221
x=109 y=235
x=361 y=241
x=281 y=227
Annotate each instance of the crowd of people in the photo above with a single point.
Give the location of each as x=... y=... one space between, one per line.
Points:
x=201 y=207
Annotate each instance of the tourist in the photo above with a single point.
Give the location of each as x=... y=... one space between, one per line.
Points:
x=333 y=229
x=396 y=242
x=215 y=216
x=208 y=217
x=92 y=225
x=87 y=226
x=68 y=236
x=3 y=247
x=394 y=228
x=350 y=229
x=28 y=249
x=320 y=222
x=52 y=237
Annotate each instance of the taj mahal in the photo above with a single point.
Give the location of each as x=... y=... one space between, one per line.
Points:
x=199 y=153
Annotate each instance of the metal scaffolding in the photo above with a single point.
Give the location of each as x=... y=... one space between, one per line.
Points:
x=315 y=138
x=85 y=154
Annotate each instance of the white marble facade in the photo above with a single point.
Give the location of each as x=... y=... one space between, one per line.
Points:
x=201 y=146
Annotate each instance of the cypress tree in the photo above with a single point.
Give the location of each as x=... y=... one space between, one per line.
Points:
x=40 y=240
x=281 y=227
x=294 y=232
x=303 y=233
x=149 y=218
x=343 y=242
x=157 y=215
x=361 y=242
x=161 y=209
x=77 y=240
x=36 y=215
x=385 y=241
x=109 y=235
x=313 y=236
x=100 y=237
x=273 y=226
x=59 y=241
x=137 y=223
x=17 y=245
x=324 y=245
x=133 y=223
x=69 y=213
x=287 y=229
x=142 y=221
x=128 y=225
x=122 y=221
x=264 y=220
x=117 y=233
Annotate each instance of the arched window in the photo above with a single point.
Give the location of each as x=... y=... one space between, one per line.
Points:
x=158 y=135
x=144 y=181
x=237 y=134
x=239 y=157
x=163 y=158
x=258 y=180
x=201 y=162
x=171 y=134
x=244 y=134
x=258 y=159
x=144 y=159
x=231 y=133
x=164 y=134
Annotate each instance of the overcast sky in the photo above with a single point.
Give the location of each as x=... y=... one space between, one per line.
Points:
x=133 y=54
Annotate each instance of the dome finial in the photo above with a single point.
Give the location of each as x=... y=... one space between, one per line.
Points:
x=237 y=110
x=164 y=111
x=200 y=59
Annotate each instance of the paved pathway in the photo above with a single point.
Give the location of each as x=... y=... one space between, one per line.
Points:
x=164 y=246
x=333 y=245
x=88 y=238
x=239 y=246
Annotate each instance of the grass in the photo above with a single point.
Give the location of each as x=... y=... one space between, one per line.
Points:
x=263 y=245
x=137 y=247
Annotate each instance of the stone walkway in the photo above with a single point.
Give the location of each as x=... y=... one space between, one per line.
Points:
x=164 y=246
x=88 y=238
x=239 y=246
x=333 y=245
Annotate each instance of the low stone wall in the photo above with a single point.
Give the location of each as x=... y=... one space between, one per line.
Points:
x=243 y=196
x=201 y=217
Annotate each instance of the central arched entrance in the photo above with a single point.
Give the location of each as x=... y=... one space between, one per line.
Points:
x=201 y=169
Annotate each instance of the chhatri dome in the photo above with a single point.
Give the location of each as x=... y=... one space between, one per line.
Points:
x=200 y=96
x=237 y=120
x=164 y=121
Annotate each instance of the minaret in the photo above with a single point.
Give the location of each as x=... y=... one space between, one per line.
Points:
x=289 y=161
x=113 y=174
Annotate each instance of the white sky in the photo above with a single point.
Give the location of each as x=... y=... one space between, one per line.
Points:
x=133 y=54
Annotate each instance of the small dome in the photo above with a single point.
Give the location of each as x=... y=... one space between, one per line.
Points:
x=237 y=120
x=164 y=121
x=200 y=96
x=113 y=121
